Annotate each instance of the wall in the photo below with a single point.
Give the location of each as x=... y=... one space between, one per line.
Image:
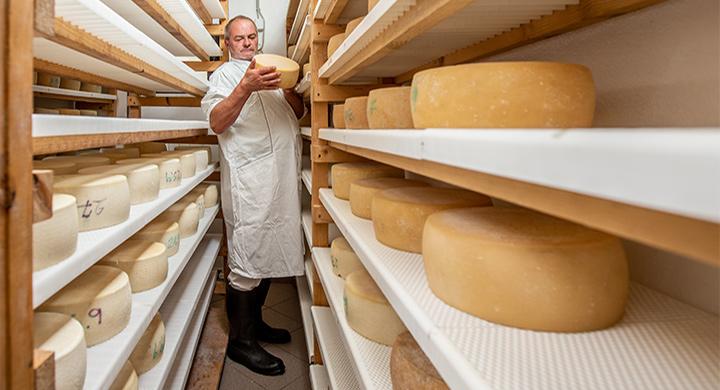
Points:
x=275 y=13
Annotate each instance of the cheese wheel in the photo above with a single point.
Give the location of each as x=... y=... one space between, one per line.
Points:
x=363 y=191
x=399 y=214
x=145 y=263
x=202 y=157
x=306 y=68
x=170 y=170
x=99 y=298
x=338 y=116
x=66 y=83
x=334 y=43
x=504 y=95
x=344 y=260
x=143 y=179
x=410 y=369
x=81 y=161
x=187 y=161
x=64 y=336
x=288 y=69
x=68 y=111
x=352 y=25
x=149 y=350
x=210 y=191
x=102 y=200
x=367 y=310
x=58 y=166
x=186 y=214
x=199 y=199
x=150 y=147
x=130 y=152
x=89 y=87
x=389 y=108
x=346 y=173
x=126 y=379
x=115 y=156
x=524 y=269
x=55 y=239
x=355 y=113
x=48 y=80
x=164 y=231
x=208 y=149
x=40 y=110
x=88 y=113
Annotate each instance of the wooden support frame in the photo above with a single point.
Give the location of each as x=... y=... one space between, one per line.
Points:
x=205 y=66
x=64 y=71
x=334 y=11
x=170 y=101
x=338 y=93
x=200 y=11
x=44 y=16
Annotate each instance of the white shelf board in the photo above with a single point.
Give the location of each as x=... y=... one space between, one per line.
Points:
x=370 y=360
x=306 y=131
x=105 y=360
x=304 y=84
x=306 y=175
x=186 y=306
x=299 y=21
x=321 y=9
x=660 y=343
x=302 y=46
x=70 y=92
x=305 y=303
x=44 y=125
x=309 y=274
x=319 y=379
x=186 y=17
x=215 y=9
x=94 y=244
x=630 y=166
x=335 y=358
x=351 y=10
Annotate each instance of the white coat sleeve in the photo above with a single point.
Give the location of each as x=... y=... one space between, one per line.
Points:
x=220 y=88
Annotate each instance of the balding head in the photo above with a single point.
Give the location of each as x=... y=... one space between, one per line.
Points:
x=241 y=37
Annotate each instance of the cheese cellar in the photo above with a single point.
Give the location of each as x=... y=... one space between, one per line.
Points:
x=360 y=194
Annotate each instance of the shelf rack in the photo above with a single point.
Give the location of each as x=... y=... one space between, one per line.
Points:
x=339 y=11
x=298 y=21
x=302 y=48
x=319 y=379
x=305 y=298
x=336 y=361
x=62 y=93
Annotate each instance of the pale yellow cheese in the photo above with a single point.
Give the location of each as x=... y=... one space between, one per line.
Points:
x=367 y=310
x=352 y=25
x=100 y=299
x=410 y=369
x=198 y=198
x=208 y=149
x=170 y=170
x=524 y=269
x=288 y=69
x=202 y=157
x=389 y=108
x=126 y=379
x=143 y=179
x=399 y=214
x=210 y=191
x=164 y=231
x=40 y=110
x=55 y=239
x=363 y=191
x=64 y=336
x=68 y=111
x=306 y=68
x=334 y=42
x=66 y=83
x=102 y=200
x=82 y=161
x=343 y=258
x=48 y=80
x=355 y=113
x=145 y=263
x=149 y=350
x=338 y=116
x=59 y=167
x=186 y=214
x=88 y=113
x=187 y=161
x=89 y=87
x=504 y=94
x=131 y=152
x=345 y=173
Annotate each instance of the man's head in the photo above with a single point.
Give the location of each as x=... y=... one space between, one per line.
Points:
x=241 y=37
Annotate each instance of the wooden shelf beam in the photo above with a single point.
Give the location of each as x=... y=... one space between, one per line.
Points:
x=170 y=101
x=57 y=144
x=64 y=71
x=334 y=11
x=204 y=66
x=201 y=11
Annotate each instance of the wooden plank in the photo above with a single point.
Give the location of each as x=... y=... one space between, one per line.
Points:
x=200 y=11
x=209 y=360
x=160 y=15
x=205 y=66
x=170 y=101
x=324 y=93
x=216 y=30
x=334 y=11
x=72 y=98
x=42 y=194
x=44 y=369
x=688 y=237
x=48 y=145
x=64 y=71
x=324 y=32
x=205 y=139
x=320 y=214
x=327 y=154
x=44 y=16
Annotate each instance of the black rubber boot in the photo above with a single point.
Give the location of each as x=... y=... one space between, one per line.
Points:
x=266 y=333
x=243 y=347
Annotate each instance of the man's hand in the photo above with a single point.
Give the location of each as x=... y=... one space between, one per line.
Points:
x=258 y=79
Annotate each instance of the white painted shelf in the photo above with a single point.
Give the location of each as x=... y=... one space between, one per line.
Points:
x=319 y=379
x=305 y=299
x=48 y=125
x=215 y=9
x=105 y=360
x=660 y=343
x=630 y=166
x=306 y=175
x=351 y=9
x=304 y=84
x=309 y=274
x=335 y=358
x=370 y=360
x=73 y=93
x=298 y=21
x=302 y=47
x=94 y=244
x=306 y=131
x=184 y=311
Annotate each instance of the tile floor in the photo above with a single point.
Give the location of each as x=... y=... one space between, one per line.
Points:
x=282 y=309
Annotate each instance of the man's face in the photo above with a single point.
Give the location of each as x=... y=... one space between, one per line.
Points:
x=243 y=40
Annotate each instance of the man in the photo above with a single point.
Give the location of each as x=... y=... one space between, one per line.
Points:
x=259 y=139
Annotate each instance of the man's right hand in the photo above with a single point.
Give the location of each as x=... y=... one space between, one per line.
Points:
x=258 y=79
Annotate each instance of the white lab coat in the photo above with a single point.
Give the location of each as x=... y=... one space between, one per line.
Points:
x=260 y=157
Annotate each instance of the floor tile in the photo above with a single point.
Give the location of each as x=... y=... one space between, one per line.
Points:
x=234 y=378
x=280 y=292
x=297 y=345
x=290 y=308
x=302 y=383
x=294 y=369
x=279 y=320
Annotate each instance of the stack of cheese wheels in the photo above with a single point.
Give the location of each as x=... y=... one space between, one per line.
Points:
x=64 y=336
x=126 y=379
x=55 y=239
x=209 y=191
x=143 y=179
x=399 y=214
x=48 y=80
x=352 y=25
x=72 y=84
x=355 y=112
x=346 y=173
x=202 y=157
x=524 y=269
x=338 y=116
x=199 y=199
x=344 y=260
x=410 y=369
x=88 y=113
x=58 y=166
x=68 y=111
x=100 y=298
x=187 y=161
x=187 y=214
x=90 y=87
x=102 y=200
x=144 y=262
x=161 y=230
x=334 y=42
x=149 y=350
x=288 y=69
x=150 y=147
x=170 y=172
x=40 y=110
x=367 y=310
x=504 y=94
x=85 y=161
x=363 y=191
x=389 y=108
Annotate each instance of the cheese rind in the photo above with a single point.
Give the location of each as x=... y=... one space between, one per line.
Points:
x=399 y=214
x=145 y=263
x=186 y=214
x=363 y=191
x=289 y=69
x=71 y=84
x=48 y=80
x=150 y=347
x=367 y=310
x=64 y=336
x=55 y=239
x=352 y=25
x=126 y=379
x=143 y=179
x=68 y=111
x=343 y=258
x=40 y=110
x=410 y=369
x=355 y=113
x=170 y=170
x=199 y=199
x=89 y=87
x=334 y=42
x=164 y=231
x=524 y=269
x=88 y=112
x=346 y=173
x=339 y=116
x=59 y=167
x=84 y=161
x=389 y=108
x=210 y=191
x=186 y=158
x=102 y=200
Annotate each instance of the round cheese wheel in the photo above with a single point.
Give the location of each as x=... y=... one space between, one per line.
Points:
x=352 y=25
x=164 y=231
x=40 y=110
x=355 y=113
x=102 y=200
x=344 y=260
x=199 y=199
x=202 y=157
x=89 y=87
x=48 y=80
x=410 y=369
x=524 y=269
x=58 y=166
x=210 y=191
x=115 y=156
x=88 y=113
x=389 y=108
x=68 y=111
x=363 y=191
x=99 y=298
x=150 y=347
x=66 y=83
x=145 y=263
x=288 y=69
x=143 y=179
x=64 y=336
x=504 y=94
x=187 y=161
x=334 y=42
x=186 y=214
x=338 y=116
x=306 y=68
x=367 y=310
x=55 y=239
x=150 y=147
x=399 y=214
x=81 y=161
x=345 y=173
x=126 y=379
x=170 y=170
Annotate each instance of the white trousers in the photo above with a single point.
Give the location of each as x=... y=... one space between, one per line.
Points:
x=242 y=283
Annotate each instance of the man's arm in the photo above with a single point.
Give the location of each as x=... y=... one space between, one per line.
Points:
x=295 y=101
